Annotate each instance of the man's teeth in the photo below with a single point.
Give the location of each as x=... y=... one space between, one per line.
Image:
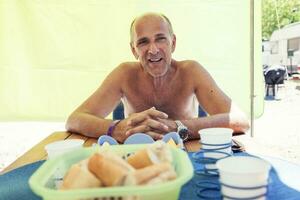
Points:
x=155 y=60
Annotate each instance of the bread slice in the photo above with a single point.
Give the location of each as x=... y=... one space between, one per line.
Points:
x=79 y=176
x=155 y=153
x=109 y=168
x=156 y=173
x=140 y=159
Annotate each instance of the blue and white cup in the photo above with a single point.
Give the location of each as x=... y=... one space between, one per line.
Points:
x=243 y=177
x=215 y=143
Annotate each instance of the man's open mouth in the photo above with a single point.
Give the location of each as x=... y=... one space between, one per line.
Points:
x=154 y=60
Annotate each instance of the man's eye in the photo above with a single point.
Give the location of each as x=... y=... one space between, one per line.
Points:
x=141 y=43
x=161 y=39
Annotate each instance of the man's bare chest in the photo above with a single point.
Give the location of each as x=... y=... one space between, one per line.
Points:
x=172 y=101
x=148 y=97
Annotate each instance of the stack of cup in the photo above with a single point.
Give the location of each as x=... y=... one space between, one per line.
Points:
x=243 y=177
x=215 y=145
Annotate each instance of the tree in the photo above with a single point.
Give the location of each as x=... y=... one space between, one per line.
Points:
x=278 y=13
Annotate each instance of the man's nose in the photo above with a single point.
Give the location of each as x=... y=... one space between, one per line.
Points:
x=153 y=48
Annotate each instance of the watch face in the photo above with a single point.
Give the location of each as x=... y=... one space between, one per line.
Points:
x=183 y=134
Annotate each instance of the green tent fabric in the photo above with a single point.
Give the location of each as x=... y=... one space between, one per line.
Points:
x=55 y=53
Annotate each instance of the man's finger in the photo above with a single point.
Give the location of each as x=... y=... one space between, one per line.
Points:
x=154 y=135
x=156 y=113
x=142 y=116
x=138 y=129
x=156 y=125
x=136 y=119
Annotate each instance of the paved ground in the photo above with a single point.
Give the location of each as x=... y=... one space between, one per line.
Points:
x=277 y=132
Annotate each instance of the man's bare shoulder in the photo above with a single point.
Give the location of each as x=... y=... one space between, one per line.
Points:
x=126 y=68
x=189 y=66
x=193 y=71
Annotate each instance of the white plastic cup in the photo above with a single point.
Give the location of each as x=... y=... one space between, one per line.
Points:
x=244 y=172
x=216 y=136
x=60 y=147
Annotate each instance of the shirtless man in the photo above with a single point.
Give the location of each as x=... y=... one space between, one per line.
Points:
x=156 y=91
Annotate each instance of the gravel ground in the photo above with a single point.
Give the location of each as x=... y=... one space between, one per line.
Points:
x=277 y=132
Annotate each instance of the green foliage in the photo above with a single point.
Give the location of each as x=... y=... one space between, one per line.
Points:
x=278 y=13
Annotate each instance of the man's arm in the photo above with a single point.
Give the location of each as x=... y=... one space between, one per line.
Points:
x=89 y=118
x=222 y=111
x=93 y=126
x=218 y=120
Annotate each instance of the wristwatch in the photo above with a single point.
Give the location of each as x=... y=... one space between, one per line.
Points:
x=182 y=130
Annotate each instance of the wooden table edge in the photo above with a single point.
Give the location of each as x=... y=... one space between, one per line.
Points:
x=38 y=152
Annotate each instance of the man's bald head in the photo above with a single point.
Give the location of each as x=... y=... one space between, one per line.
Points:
x=162 y=16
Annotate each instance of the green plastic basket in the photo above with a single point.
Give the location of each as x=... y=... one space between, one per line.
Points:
x=42 y=182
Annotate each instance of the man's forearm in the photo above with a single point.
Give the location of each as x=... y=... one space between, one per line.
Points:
x=93 y=126
x=218 y=120
x=87 y=124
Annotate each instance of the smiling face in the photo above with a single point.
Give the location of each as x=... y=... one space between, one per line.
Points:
x=153 y=44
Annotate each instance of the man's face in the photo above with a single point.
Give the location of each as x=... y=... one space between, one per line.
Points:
x=153 y=45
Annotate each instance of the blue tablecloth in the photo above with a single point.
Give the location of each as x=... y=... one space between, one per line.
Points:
x=14 y=185
x=277 y=190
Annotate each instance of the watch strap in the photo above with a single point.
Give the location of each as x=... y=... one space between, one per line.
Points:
x=182 y=130
x=179 y=125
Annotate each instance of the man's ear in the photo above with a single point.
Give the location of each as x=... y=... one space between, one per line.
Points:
x=133 y=50
x=173 y=43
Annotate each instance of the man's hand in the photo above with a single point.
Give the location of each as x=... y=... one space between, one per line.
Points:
x=147 y=122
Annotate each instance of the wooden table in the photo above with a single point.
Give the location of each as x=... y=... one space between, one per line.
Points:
x=38 y=152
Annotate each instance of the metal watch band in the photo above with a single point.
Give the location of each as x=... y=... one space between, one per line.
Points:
x=179 y=124
x=182 y=130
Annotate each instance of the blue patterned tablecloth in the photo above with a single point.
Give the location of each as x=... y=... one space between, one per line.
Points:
x=14 y=185
x=277 y=190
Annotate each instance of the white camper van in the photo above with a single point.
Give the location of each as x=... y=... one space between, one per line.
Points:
x=284 y=48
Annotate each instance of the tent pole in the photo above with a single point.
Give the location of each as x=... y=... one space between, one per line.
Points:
x=252 y=96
